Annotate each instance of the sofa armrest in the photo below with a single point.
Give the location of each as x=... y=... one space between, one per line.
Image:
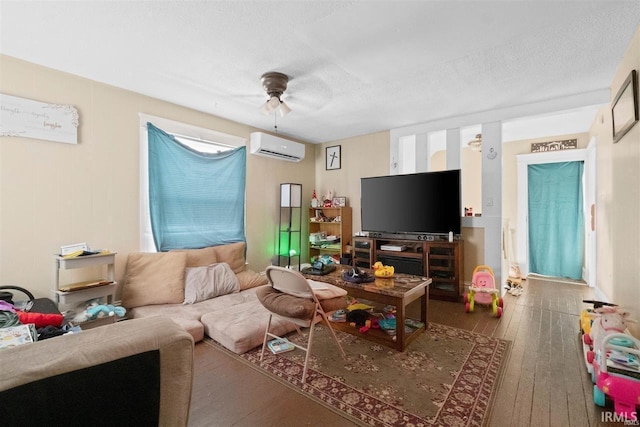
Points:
x=28 y=363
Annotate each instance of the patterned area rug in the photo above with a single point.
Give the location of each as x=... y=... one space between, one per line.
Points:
x=446 y=377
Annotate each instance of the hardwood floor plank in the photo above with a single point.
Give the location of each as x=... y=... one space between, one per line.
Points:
x=559 y=384
x=508 y=391
x=540 y=404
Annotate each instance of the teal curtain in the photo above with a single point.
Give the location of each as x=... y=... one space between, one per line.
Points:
x=556 y=219
x=195 y=199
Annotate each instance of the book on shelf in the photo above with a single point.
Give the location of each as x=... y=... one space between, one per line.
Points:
x=280 y=346
x=84 y=285
x=13 y=336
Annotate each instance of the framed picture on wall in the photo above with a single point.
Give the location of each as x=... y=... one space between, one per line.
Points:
x=624 y=110
x=339 y=202
x=332 y=157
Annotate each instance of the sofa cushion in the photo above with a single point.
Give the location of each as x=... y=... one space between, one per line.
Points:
x=203 y=283
x=154 y=278
x=199 y=257
x=250 y=279
x=233 y=254
x=241 y=327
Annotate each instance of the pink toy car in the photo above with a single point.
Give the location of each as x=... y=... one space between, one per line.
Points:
x=483 y=291
x=616 y=373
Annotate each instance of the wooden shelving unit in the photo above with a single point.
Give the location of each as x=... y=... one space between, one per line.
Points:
x=334 y=222
x=440 y=260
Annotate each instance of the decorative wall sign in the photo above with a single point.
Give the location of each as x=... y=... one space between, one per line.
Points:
x=624 y=111
x=541 y=147
x=39 y=120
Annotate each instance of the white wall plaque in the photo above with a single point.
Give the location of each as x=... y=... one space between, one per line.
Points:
x=33 y=119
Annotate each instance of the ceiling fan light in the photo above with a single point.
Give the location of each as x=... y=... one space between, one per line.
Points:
x=284 y=109
x=265 y=108
x=476 y=144
x=273 y=102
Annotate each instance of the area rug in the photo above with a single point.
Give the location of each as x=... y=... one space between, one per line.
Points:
x=447 y=377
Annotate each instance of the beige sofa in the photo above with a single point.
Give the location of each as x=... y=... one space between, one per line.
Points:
x=101 y=375
x=156 y=284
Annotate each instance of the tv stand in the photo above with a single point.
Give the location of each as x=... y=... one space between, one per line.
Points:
x=440 y=260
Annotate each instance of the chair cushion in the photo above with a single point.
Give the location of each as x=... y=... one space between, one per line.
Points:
x=290 y=306
x=284 y=304
x=154 y=278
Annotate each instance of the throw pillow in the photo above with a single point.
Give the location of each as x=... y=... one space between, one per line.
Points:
x=232 y=254
x=203 y=283
x=199 y=257
x=154 y=278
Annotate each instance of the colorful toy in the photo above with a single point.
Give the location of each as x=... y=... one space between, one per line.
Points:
x=101 y=310
x=616 y=372
x=95 y=310
x=483 y=291
x=383 y=270
x=606 y=320
x=612 y=357
x=586 y=317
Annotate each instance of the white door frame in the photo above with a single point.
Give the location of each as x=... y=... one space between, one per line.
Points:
x=524 y=160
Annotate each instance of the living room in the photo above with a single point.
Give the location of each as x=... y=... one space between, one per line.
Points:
x=54 y=194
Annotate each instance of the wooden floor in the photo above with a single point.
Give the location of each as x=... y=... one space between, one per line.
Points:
x=545 y=381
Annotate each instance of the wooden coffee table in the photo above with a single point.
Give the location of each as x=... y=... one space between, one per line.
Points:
x=400 y=291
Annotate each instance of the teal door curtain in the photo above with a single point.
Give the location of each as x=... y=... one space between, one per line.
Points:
x=195 y=199
x=556 y=219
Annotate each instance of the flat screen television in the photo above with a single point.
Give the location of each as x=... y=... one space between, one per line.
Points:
x=417 y=203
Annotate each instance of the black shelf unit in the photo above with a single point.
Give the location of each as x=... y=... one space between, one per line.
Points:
x=290 y=225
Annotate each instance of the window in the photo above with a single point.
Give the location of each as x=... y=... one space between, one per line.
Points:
x=203 y=144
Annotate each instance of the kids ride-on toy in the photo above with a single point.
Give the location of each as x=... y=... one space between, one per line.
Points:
x=483 y=291
x=616 y=370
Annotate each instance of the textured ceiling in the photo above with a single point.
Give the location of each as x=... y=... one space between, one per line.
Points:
x=356 y=67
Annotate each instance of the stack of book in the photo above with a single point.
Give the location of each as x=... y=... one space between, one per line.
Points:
x=280 y=346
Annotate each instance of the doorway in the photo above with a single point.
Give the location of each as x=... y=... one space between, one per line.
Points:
x=556 y=219
x=523 y=162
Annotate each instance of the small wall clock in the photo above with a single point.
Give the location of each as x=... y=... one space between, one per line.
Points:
x=333 y=157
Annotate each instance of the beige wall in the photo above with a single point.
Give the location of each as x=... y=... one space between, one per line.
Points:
x=52 y=194
x=362 y=156
x=618 y=201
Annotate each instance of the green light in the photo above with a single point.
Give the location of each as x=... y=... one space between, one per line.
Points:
x=292 y=252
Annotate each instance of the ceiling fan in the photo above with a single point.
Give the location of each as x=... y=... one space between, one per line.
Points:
x=476 y=144
x=274 y=85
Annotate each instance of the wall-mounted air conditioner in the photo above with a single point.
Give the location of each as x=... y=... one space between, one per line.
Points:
x=263 y=144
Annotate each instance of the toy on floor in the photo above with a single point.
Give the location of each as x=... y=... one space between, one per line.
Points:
x=483 y=291
x=607 y=320
x=514 y=281
x=612 y=356
x=95 y=310
x=616 y=372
